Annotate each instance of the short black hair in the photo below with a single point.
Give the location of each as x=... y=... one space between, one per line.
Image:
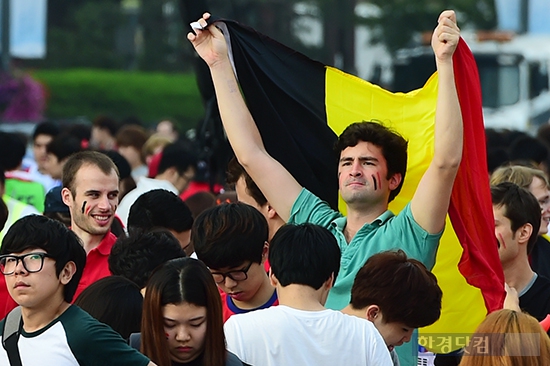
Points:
x=124 y=168
x=106 y=123
x=235 y=171
x=521 y=208
x=135 y=257
x=3 y=214
x=81 y=131
x=57 y=240
x=177 y=155
x=229 y=235
x=159 y=208
x=46 y=128
x=12 y=150
x=63 y=146
x=528 y=148
x=304 y=254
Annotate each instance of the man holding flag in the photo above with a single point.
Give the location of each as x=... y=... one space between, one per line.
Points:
x=371 y=167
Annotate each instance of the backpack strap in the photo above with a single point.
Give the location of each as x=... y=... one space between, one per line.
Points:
x=10 y=335
x=135 y=340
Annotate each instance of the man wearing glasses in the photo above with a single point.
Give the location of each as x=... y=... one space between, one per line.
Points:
x=42 y=262
x=231 y=239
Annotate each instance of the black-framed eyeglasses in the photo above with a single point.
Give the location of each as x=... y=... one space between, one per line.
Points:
x=238 y=275
x=32 y=262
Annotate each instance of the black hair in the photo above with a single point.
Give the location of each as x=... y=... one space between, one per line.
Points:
x=82 y=132
x=106 y=123
x=229 y=235
x=177 y=155
x=12 y=150
x=57 y=240
x=63 y=146
x=46 y=128
x=528 y=148
x=124 y=168
x=159 y=208
x=521 y=208
x=304 y=254
x=115 y=301
x=136 y=257
x=3 y=214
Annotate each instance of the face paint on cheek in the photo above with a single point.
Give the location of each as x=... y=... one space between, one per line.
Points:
x=501 y=240
x=167 y=335
x=84 y=206
x=374 y=182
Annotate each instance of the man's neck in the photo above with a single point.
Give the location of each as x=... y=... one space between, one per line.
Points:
x=89 y=241
x=350 y=310
x=166 y=177
x=518 y=274
x=301 y=297
x=357 y=217
x=37 y=318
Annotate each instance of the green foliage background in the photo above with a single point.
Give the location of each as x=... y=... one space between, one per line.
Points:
x=147 y=95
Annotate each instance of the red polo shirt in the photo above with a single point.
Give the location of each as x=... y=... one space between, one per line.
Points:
x=97 y=266
x=6 y=302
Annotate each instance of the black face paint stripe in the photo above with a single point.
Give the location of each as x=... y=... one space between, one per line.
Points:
x=375 y=183
x=84 y=206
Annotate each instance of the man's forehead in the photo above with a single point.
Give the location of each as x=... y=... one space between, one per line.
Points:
x=499 y=211
x=91 y=175
x=43 y=138
x=363 y=148
x=229 y=269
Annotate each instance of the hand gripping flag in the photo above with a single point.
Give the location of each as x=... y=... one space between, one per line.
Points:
x=300 y=105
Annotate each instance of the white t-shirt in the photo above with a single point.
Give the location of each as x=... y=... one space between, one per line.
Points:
x=281 y=335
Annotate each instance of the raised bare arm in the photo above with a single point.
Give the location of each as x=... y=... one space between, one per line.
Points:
x=431 y=199
x=275 y=182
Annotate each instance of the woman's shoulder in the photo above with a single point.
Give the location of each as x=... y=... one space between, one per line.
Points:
x=233 y=360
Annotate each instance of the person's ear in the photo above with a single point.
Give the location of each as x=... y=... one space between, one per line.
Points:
x=394 y=181
x=67 y=196
x=271 y=213
x=274 y=281
x=524 y=233
x=265 y=252
x=372 y=312
x=329 y=282
x=67 y=272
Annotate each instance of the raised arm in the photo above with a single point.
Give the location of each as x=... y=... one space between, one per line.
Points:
x=275 y=182
x=430 y=202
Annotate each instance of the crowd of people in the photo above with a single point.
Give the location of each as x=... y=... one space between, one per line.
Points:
x=110 y=254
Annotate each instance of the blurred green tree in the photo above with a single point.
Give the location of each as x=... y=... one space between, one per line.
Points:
x=399 y=21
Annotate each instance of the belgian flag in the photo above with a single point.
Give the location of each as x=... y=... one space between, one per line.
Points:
x=300 y=105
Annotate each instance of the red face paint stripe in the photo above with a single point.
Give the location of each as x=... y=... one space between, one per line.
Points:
x=501 y=240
